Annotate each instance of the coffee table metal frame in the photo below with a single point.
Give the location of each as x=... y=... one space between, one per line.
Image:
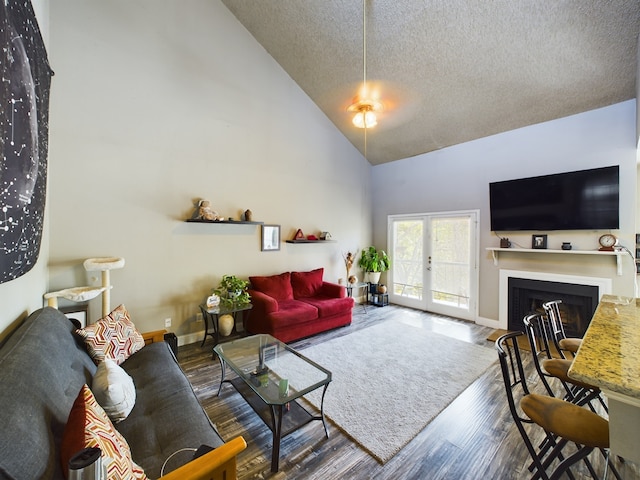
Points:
x=262 y=387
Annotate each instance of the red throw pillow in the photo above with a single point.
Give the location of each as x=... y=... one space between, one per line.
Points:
x=306 y=284
x=276 y=286
x=89 y=426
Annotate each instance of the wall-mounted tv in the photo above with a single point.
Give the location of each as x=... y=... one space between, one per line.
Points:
x=582 y=200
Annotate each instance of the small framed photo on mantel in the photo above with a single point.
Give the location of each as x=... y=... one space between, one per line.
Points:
x=539 y=242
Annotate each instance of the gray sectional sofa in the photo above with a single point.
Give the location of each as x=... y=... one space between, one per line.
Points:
x=43 y=366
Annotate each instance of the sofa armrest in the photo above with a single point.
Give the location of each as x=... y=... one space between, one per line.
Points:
x=153 y=337
x=218 y=464
x=262 y=303
x=333 y=290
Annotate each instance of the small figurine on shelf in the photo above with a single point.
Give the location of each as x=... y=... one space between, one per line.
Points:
x=205 y=212
x=248 y=215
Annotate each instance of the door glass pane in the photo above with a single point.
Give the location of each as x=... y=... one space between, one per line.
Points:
x=407 y=263
x=450 y=258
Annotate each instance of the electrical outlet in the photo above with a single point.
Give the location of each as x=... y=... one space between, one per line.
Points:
x=167 y=322
x=199 y=317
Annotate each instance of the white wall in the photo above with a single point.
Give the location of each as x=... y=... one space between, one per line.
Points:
x=457 y=178
x=23 y=295
x=157 y=104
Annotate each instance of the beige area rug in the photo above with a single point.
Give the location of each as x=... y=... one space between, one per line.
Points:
x=390 y=380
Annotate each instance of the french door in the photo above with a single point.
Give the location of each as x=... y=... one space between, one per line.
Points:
x=434 y=262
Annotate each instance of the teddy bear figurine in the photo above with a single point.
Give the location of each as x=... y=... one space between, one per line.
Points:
x=205 y=212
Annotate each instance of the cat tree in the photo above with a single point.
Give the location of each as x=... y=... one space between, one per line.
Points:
x=83 y=294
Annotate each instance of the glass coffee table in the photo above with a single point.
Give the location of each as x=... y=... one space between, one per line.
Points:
x=270 y=376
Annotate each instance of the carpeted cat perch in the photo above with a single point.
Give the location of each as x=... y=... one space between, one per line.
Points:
x=82 y=294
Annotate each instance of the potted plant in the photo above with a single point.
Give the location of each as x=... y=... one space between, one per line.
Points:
x=374 y=262
x=232 y=291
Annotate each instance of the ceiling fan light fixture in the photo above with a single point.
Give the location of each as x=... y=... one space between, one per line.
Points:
x=365 y=117
x=366 y=113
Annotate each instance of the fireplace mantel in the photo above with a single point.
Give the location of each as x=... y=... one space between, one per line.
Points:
x=617 y=253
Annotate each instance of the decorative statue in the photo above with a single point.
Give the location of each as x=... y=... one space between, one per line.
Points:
x=248 y=215
x=205 y=212
x=349 y=258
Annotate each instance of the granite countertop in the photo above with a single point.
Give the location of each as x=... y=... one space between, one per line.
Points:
x=609 y=356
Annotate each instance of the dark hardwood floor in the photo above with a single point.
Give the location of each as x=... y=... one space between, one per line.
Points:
x=473 y=438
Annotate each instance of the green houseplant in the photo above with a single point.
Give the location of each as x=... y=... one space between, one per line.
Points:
x=233 y=291
x=374 y=262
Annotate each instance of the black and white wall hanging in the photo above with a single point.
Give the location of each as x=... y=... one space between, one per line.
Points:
x=24 y=96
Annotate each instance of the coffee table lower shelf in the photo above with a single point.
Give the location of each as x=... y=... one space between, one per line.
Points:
x=280 y=420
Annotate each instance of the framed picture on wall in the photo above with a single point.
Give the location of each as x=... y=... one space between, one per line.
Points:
x=270 y=238
x=539 y=241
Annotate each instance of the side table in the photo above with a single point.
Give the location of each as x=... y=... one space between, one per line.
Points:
x=376 y=298
x=351 y=286
x=213 y=315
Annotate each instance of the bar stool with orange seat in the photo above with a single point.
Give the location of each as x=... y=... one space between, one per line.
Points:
x=539 y=330
x=564 y=423
x=560 y=340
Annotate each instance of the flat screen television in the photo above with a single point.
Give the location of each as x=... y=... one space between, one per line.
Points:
x=582 y=200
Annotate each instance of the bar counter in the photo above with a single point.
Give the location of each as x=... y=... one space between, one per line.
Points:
x=609 y=358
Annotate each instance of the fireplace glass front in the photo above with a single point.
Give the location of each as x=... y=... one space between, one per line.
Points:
x=527 y=296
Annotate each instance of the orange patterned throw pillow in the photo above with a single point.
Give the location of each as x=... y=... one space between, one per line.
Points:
x=114 y=336
x=89 y=426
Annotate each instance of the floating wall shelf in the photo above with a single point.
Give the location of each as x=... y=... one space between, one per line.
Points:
x=617 y=253
x=228 y=222
x=302 y=240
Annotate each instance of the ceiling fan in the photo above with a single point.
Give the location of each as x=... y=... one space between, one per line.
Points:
x=369 y=102
x=366 y=104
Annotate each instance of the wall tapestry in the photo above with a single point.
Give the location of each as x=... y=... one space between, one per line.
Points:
x=24 y=121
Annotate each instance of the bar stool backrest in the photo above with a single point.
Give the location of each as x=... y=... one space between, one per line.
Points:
x=552 y=309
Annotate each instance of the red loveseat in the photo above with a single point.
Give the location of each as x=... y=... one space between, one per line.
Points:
x=295 y=305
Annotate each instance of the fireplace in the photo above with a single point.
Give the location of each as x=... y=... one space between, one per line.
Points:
x=580 y=296
x=527 y=296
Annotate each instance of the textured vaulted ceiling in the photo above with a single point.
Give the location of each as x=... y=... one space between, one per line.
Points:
x=450 y=71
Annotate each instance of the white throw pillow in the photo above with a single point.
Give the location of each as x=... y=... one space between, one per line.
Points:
x=114 y=390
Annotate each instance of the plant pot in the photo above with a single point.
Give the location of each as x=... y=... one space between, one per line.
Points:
x=374 y=277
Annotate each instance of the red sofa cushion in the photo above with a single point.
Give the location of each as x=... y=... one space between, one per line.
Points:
x=306 y=284
x=330 y=306
x=293 y=312
x=276 y=286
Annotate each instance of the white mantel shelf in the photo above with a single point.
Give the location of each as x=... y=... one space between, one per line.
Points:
x=495 y=251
